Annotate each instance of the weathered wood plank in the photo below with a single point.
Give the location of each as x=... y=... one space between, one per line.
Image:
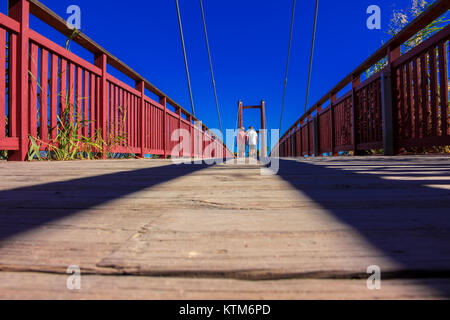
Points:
x=201 y=227
x=51 y=286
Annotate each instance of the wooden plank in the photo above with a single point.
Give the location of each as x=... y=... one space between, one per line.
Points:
x=93 y=287
x=162 y=226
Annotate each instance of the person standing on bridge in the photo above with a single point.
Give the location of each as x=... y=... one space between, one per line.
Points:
x=252 y=137
x=241 y=137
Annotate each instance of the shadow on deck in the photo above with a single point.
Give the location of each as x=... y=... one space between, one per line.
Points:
x=408 y=220
x=26 y=208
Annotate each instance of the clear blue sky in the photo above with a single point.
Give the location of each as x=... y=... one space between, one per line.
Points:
x=249 y=40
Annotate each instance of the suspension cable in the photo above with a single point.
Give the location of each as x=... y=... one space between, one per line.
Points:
x=211 y=67
x=185 y=58
x=311 y=56
x=287 y=63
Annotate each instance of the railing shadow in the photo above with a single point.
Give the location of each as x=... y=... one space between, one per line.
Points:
x=407 y=220
x=26 y=208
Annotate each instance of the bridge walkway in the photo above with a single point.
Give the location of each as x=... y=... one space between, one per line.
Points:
x=226 y=231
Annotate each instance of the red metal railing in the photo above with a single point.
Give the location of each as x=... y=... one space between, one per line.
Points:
x=417 y=99
x=39 y=79
x=421 y=94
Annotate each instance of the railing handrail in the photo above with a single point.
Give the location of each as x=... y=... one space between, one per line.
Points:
x=435 y=10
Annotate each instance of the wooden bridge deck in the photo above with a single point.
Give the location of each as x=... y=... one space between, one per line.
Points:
x=225 y=231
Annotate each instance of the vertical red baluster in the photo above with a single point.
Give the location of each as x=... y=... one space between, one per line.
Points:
x=100 y=61
x=92 y=100
x=129 y=119
x=13 y=110
x=86 y=99
x=54 y=97
x=33 y=90
x=79 y=101
x=179 y=132
x=44 y=96
x=163 y=102
x=2 y=83
x=19 y=10
x=408 y=102
x=111 y=107
x=115 y=111
x=424 y=93
x=443 y=85
x=433 y=91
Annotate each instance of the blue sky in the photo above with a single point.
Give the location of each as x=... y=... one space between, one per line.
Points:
x=248 y=39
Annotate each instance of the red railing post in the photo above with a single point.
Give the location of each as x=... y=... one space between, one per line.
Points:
x=19 y=10
x=191 y=141
x=203 y=141
x=299 y=152
x=387 y=89
x=333 y=99
x=308 y=121
x=163 y=102
x=443 y=79
x=293 y=143
x=316 y=124
x=101 y=62
x=140 y=86
x=355 y=82
x=179 y=132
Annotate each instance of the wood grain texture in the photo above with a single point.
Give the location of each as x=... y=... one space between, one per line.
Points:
x=226 y=231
